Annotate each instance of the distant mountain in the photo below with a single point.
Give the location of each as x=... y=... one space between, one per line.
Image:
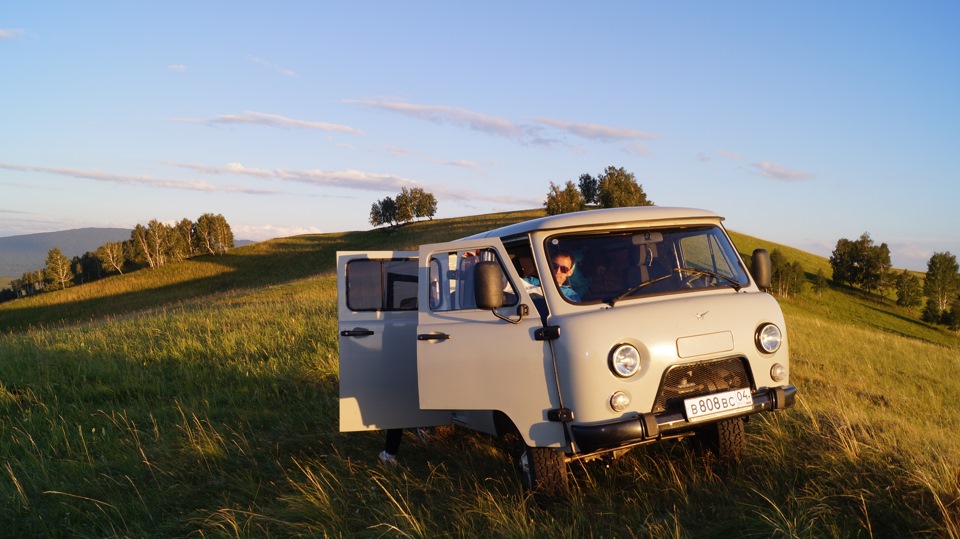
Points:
x=20 y=254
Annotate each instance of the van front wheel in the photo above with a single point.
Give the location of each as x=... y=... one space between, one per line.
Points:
x=544 y=472
x=725 y=439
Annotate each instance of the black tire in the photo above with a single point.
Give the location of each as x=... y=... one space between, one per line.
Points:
x=725 y=439
x=544 y=473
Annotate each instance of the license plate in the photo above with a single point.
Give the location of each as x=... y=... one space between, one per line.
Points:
x=718 y=404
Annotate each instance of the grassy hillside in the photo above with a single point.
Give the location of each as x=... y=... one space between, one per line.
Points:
x=202 y=400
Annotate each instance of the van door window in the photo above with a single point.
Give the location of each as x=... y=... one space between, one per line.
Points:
x=452 y=280
x=382 y=285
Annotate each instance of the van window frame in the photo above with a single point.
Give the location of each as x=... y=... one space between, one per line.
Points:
x=387 y=284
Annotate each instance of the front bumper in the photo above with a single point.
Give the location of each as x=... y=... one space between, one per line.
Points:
x=649 y=427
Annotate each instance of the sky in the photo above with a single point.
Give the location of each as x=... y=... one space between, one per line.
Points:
x=799 y=122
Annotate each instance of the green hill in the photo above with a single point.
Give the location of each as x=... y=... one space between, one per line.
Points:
x=201 y=399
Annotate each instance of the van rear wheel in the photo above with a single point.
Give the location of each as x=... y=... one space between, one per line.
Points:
x=544 y=473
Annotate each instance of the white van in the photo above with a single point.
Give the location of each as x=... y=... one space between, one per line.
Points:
x=583 y=334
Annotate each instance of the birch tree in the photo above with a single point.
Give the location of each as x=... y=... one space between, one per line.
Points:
x=111 y=256
x=58 y=268
x=212 y=234
x=942 y=281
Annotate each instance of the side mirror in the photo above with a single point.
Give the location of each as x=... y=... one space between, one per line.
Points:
x=762 y=273
x=488 y=285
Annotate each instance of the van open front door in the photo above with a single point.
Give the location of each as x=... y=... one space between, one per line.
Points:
x=473 y=359
x=377 y=324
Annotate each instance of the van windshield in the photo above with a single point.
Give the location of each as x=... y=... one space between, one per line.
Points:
x=615 y=266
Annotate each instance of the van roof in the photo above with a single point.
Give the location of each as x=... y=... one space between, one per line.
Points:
x=635 y=215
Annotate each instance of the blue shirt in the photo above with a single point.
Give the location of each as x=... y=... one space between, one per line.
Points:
x=570 y=293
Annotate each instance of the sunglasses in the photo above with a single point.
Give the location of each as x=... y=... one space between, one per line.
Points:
x=561 y=267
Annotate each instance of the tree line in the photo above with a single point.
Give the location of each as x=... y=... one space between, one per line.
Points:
x=862 y=264
x=152 y=246
x=613 y=188
x=410 y=204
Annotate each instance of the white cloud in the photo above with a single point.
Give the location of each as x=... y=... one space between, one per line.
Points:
x=349 y=179
x=10 y=33
x=269 y=65
x=534 y=135
x=398 y=151
x=461 y=163
x=637 y=148
x=138 y=180
x=442 y=114
x=268 y=232
x=730 y=154
x=177 y=68
x=777 y=172
x=356 y=179
x=270 y=120
x=602 y=133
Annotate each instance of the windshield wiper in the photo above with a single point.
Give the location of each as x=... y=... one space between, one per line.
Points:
x=736 y=284
x=634 y=289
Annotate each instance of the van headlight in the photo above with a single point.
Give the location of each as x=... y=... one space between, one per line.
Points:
x=768 y=338
x=624 y=360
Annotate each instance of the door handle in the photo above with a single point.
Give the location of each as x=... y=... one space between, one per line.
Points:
x=359 y=332
x=432 y=337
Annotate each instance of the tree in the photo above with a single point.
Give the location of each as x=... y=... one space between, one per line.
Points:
x=820 y=283
x=942 y=281
x=141 y=245
x=618 y=188
x=787 y=277
x=158 y=241
x=181 y=241
x=876 y=263
x=88 y=268
x=424 y=203
x=58 y=268
x=589 y=188
x=32 y=282
x=404 y=206
x=951 y=318
x=383 y=212
x=111 y=256
x=212 y=234
x=860 y=263
x=564 y=200
x=843 y=262
x=932 y=312
x=909 y=290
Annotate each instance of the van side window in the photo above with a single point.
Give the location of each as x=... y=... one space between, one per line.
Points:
x=452 y=280
x=382 y=285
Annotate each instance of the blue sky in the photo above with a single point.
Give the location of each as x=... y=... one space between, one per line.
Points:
x=800 y=122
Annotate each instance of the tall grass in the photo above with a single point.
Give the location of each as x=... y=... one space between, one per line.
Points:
x=215 y=415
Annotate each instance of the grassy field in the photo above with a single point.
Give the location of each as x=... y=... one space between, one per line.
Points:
x=201 y=399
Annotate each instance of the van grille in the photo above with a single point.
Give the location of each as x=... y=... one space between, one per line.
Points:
x=693 y=379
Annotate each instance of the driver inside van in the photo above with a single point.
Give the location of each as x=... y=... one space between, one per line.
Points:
x=561 y=265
